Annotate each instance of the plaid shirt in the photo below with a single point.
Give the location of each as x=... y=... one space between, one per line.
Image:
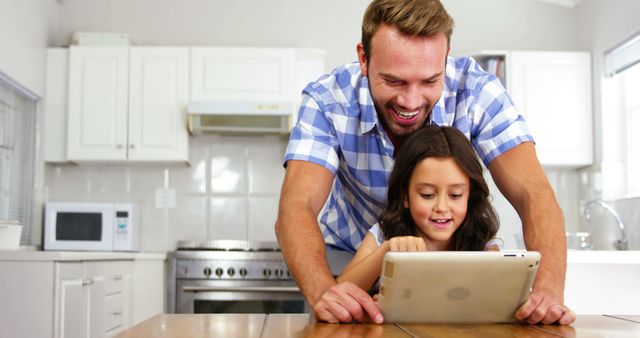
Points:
x=338 y=128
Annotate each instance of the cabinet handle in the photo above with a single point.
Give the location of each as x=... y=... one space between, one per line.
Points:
x=119 y=146
x=117 y=312
x=117 y=277
x=133 y=146
x=87 y=281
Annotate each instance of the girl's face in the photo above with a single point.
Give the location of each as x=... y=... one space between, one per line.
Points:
x=437 y=198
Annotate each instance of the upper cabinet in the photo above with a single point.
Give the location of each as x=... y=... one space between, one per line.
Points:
x=552 y=90
x=126 y=103
x=121 y=103
x=98 y=106
x=249 y=90
x=242 y=74
x=158 y=98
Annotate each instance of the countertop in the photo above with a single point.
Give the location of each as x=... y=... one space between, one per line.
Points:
x=303 y=325
x=45 y=256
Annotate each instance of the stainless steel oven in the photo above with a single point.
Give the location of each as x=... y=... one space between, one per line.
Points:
x=231 y=277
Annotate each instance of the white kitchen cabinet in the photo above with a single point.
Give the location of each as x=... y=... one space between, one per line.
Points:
x=98 y=89
x=242 y=89
x=127 y=103
x=552 y=90
x=92 y=298
x=79 y=300
x=59 y=294
x=242 y=73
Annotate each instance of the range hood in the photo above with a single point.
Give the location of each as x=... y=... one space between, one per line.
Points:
x=253 y=117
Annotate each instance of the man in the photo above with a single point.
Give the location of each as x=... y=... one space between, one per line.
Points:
x=351 y=121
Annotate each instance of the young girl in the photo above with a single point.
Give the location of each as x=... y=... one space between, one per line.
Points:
x=437 y=200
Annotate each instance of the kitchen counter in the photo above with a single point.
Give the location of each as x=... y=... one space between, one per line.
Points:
x=47 y=256
x=303 y=325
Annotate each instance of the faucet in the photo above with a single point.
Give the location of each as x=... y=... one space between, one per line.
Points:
x=622 y=242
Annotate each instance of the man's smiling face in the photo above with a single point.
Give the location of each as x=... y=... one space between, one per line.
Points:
x=406 y=77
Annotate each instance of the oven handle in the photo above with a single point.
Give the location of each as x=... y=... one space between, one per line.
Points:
x=292 y=289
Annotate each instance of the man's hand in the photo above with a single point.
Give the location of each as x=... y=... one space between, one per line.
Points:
x=346 y=302
x=407 y=243
x=544 y=307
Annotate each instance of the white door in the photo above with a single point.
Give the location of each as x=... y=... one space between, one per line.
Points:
x=553 y=92
x=71 y=312
x=158 y=98
x=95 y=299
x=242 y=74
x=98 y=88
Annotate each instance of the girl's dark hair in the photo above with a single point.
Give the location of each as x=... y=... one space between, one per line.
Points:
x=481 y=223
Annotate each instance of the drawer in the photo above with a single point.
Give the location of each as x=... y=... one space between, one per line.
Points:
x=116 y=276
x=115 y=312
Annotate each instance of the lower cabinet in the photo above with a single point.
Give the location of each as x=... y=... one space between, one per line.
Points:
x=49 y=295
x=92 y=298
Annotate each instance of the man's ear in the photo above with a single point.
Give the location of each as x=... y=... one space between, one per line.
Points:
x=362 y=58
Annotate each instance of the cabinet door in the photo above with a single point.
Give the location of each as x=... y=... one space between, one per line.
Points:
x=71 y=312
x=553 y=92
x=98 y=88
x=95 y=299
x=158 y=98
x=241 y=74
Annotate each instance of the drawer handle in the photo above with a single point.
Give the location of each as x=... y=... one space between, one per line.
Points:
x=117 y=277
x=87 y=281
x=117 y=312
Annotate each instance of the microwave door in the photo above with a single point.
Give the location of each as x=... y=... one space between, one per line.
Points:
x=83 y=228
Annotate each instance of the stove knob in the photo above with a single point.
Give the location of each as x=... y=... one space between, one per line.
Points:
x=279 y=273
x=266 y=272
x=243 y=272
x=207 y=272
x=231 y=272
x=219 y=272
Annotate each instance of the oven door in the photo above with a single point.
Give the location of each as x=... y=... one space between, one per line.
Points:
x=239 y=296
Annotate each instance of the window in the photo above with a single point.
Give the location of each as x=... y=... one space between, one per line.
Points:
x=17 y=149
x=621 y=120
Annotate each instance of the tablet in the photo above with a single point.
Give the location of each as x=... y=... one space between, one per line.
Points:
x=455 y=286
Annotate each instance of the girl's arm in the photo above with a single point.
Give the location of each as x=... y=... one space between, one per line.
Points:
x=366 y=265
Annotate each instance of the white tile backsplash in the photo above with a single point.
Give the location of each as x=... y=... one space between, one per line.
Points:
x=262 y=218
x=226 y=175
x=230 y=190
x=188 y=220
x=228 y=218
x=265 y=166
x=229 y=167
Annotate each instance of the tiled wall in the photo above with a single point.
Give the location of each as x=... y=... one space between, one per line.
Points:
x=230 y=190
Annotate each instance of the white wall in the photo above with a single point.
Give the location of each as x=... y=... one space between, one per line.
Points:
x=332 y=25
x=25 y=26
x=511 y=24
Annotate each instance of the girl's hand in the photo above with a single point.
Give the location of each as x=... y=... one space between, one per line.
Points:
x=407 y=243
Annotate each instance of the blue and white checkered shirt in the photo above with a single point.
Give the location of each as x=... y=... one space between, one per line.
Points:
x=338 y=128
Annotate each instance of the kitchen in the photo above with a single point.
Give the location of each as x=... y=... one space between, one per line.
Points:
x=230 y=188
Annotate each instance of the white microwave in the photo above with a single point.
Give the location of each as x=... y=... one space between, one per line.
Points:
x=91 y=227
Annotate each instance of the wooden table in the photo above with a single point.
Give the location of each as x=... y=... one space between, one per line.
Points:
x=303 y=325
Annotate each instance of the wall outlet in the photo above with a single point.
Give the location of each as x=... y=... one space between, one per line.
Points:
x=165 y=198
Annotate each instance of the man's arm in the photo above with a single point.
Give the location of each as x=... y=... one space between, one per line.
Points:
x=304 y=191
x=520 y=178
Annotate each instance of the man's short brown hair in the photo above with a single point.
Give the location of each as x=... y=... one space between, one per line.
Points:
x=410 y=17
